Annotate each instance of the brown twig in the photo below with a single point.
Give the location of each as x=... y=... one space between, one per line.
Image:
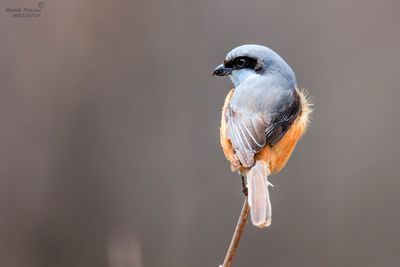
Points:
x=230 y=254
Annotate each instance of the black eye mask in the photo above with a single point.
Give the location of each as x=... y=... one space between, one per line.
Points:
x=242 y=63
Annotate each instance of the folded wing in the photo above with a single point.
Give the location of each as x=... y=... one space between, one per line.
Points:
x=249 y=132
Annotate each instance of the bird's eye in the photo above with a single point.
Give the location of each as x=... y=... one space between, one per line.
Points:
x=241 y=62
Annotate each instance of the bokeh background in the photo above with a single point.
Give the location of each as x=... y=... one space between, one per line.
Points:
x=109 y=134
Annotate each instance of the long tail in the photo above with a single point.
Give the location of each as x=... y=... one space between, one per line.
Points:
x=258 y=195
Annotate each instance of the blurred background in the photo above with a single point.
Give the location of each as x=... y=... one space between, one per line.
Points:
x=109 y=136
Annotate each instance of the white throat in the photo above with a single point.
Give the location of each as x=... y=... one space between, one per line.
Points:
x=239 y=76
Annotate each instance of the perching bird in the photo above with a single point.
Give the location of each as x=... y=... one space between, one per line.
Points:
x=263 y=117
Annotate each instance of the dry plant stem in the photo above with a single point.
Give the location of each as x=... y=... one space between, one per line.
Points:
x=230 y=254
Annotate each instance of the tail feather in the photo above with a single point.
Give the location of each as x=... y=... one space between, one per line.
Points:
x=258 y=194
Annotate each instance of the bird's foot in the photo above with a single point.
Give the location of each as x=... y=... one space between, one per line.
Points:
x=244 y=186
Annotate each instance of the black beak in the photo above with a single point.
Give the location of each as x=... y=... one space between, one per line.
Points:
x=221 y=70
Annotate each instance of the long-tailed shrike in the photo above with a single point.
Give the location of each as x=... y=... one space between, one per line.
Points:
x=263 y=117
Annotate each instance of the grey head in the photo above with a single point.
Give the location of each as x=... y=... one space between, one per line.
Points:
x=256 y=61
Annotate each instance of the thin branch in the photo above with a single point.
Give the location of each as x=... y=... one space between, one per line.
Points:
x=230 y=254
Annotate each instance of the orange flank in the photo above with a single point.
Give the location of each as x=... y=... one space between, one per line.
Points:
x=277 y=155
x=225 y=142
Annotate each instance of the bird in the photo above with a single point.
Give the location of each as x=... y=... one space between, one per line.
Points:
x=263 y=117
